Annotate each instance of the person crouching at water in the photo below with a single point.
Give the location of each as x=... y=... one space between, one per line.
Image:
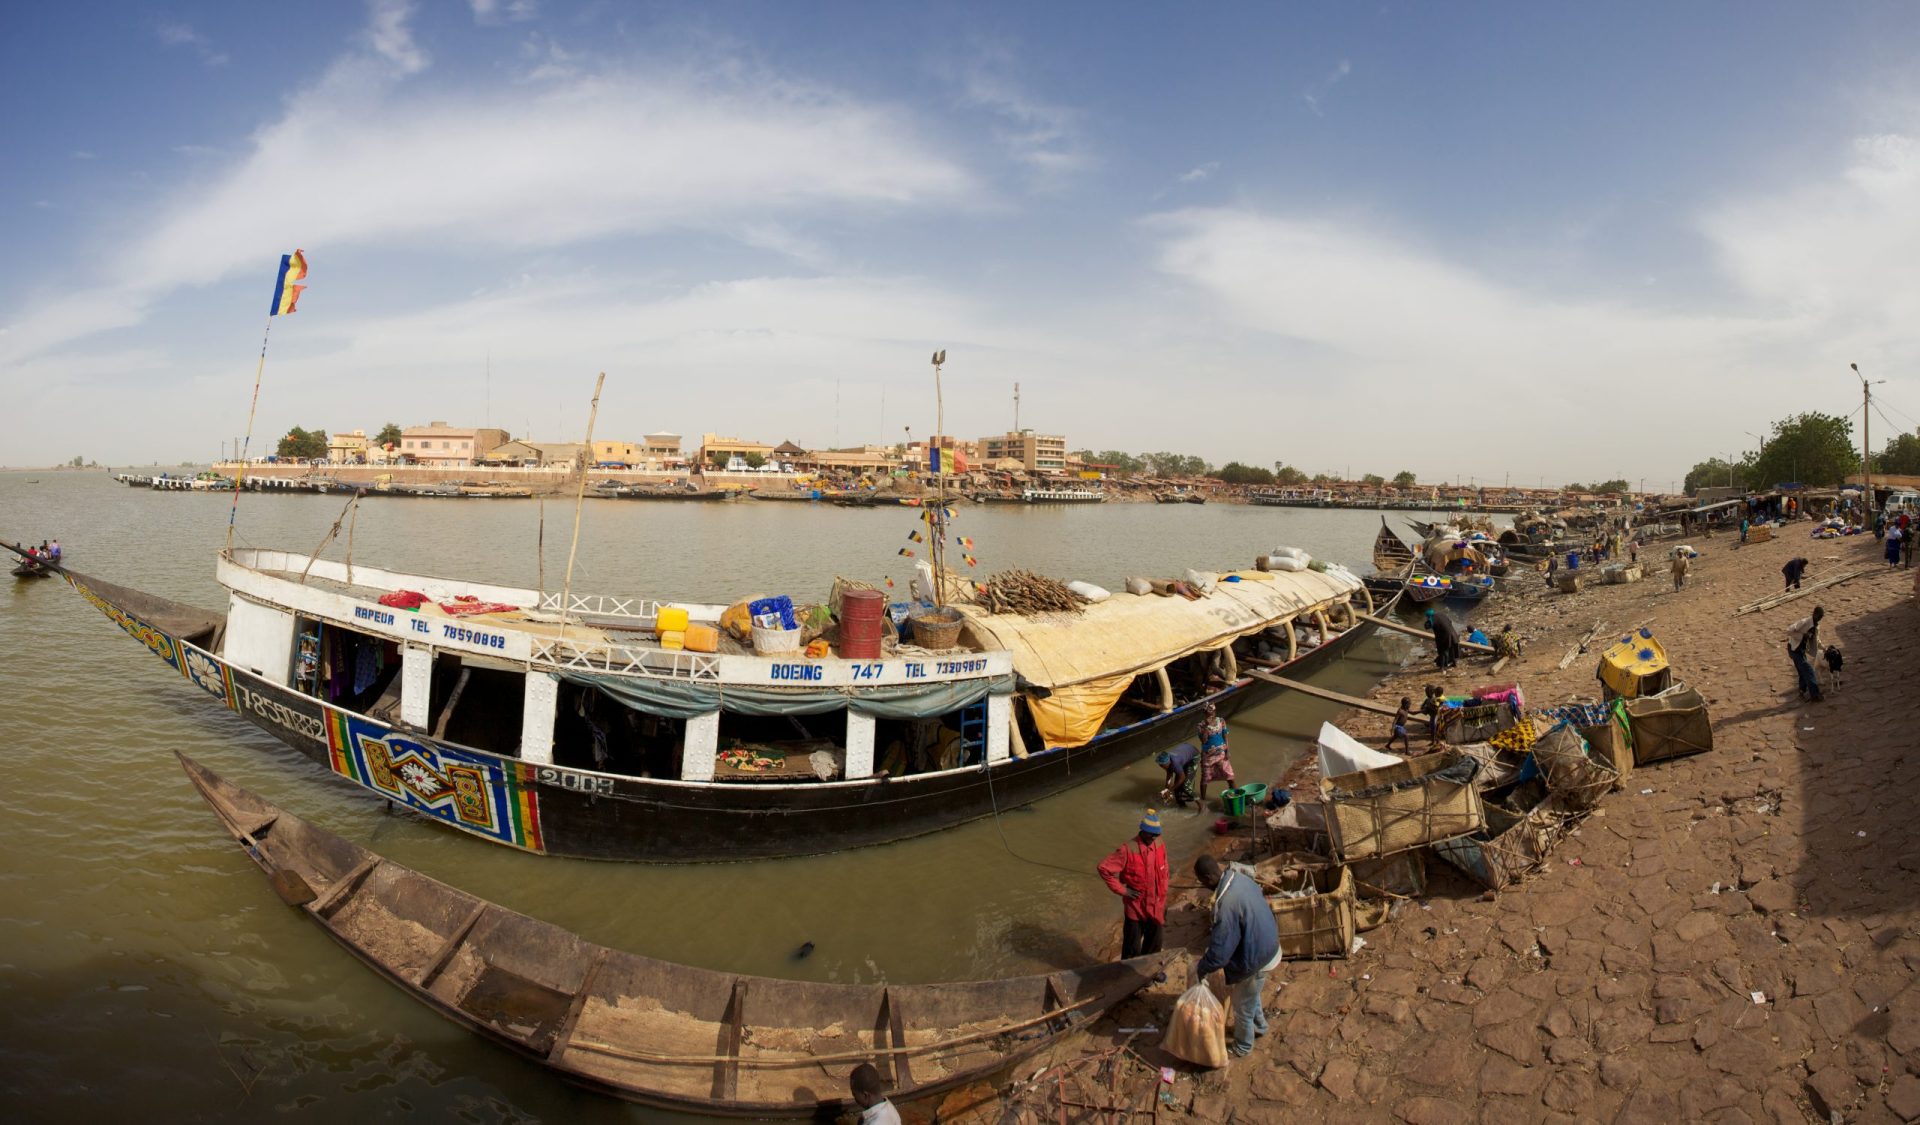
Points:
x=1137 y=872
x=870 y=1094
x=1244 y=943
x=1178 y=762
x=1214 y=763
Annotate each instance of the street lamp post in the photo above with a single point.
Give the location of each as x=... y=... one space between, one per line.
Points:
x=1866 y=440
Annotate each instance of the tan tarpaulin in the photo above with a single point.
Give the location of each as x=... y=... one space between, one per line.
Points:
x=1087 y=660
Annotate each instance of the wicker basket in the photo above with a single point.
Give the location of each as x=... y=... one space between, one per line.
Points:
x=1608 y=742
x=1316 y=924
x=1576 y=778
x=1512 y=845
x=1379 y=812
x=1669 y=725
x=775 y=642
x=937 y=628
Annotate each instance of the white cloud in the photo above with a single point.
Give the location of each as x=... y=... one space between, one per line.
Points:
x=390 y=37
x=1195 y=175
x=1314 y=93
x=1043 y=136
x=591 y=158
x=490 y=12
x=173 y=33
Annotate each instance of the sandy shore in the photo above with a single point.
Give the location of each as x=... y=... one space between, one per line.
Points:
x=1619 y=983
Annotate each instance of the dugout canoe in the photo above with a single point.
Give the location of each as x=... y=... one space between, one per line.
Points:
x=661 y=1034
x=1390 y=553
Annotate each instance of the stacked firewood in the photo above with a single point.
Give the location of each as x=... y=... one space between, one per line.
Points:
x=1027 y=594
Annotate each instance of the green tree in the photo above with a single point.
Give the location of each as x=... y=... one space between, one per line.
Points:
x=1286 y=474
x=1902 y=455
x=389 y=435
x=1405 y=479
x=1714 y=473
x=1610 y=486
x=1321 y=478
x=1814 y=449
x=306 y=444
x=1373 y=479
x=1233 y=472
x=76 y=462
x=1121 y=461
x=754 y=460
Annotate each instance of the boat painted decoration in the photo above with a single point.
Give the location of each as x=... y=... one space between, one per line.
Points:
x=464 y=790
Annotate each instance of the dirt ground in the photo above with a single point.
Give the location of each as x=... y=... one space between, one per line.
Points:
x=1732 y=937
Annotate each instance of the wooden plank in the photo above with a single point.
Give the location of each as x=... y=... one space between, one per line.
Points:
x=726 y=1075
x=1322 y=693
x=447 y=948
x=337 y=894
x=563 y=1035
x=446 y=713
x=1410 y=631
x=897 y=1037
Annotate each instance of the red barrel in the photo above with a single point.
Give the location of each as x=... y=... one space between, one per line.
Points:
x=861 y=616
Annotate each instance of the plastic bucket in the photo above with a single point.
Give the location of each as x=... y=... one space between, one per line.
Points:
x=1233 y=802
x=1255 y=795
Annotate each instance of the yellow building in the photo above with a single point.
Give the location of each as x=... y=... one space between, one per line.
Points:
x=347 y=449
x=717 y=451
x=445 y=446
x=1037 y=453
x=616 y=453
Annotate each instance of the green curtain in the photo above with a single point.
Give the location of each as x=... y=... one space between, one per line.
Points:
x=681 y=699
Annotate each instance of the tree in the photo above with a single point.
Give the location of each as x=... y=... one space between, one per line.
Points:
x=303 y=444
x=1405 y=479
x=76 y=462
x=1321 y=478
x=1610 y=486
x=1122 y=462
x=1902 y=455
x=1714 y=473
x=389 y=435
x=1233 y=472
x=1374 y=480
x=1286 y=474
x=1814 y=449
x=755 y=460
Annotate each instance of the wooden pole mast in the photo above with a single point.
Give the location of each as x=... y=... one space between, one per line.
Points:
x=579 y=501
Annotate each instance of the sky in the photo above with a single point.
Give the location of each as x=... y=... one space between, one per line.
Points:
x=1522 y=242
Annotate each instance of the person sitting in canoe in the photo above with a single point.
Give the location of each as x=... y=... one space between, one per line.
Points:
x=1178 y=762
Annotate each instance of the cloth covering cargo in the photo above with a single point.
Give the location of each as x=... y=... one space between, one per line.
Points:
x=1087 y=660
x=675 y=699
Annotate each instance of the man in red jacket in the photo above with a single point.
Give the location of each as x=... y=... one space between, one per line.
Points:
x=1137 y=872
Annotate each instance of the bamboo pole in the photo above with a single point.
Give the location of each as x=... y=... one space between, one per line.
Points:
x=579 y=502
x=1786 y=596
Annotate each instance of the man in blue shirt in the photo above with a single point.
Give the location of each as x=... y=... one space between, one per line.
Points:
x=1244 y=942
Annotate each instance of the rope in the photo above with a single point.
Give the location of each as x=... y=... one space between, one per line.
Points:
x=1005 y=843
x=234 y=509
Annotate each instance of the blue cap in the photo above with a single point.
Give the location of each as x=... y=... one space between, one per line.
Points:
x=1150 y=823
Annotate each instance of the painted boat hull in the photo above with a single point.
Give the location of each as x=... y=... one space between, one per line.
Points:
x=556 y=810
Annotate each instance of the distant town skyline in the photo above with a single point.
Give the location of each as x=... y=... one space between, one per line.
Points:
x=1504 y=242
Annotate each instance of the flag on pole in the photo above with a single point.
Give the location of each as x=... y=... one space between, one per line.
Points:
x=966 y=542
x=907 y=552
x=293 y=267
x=915 y=536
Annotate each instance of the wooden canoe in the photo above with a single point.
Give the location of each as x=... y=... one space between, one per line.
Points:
x=1390 y=552
x=665 y=1035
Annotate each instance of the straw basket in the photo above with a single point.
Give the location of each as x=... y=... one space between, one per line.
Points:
x=1668 y=725
x=1379 y=812
x=1577 y=779
x=775 y=642
x=937 y=628
x=1319 y=922
x=1512 y=845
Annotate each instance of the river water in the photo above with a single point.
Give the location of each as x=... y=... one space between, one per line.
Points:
x=147 y=970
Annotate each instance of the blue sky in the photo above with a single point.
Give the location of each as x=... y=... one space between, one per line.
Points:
x=1560 y=241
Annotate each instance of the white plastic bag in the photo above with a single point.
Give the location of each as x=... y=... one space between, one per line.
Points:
x=1198 y=1030
x=1089 y=591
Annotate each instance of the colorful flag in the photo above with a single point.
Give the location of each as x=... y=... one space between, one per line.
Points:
x=889 y=583
x=908 y=552
x=971 y=561
x=915 y=536
x=966 y=542
x=286 y=295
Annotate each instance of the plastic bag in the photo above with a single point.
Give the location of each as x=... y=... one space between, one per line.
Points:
x=1198 y=1030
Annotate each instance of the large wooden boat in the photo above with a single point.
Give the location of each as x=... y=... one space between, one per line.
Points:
x=576 y=734
x=1390 y=553
x=1423 y=587
x=665 y=1035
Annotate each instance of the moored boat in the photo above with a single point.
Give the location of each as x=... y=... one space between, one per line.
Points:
x=1062 y=496
x=665 y=1035
x=490 y=710
x=1390 y=553
x=1470 y=587
x=1422 y=588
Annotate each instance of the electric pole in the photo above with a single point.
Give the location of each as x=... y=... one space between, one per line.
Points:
x=1016 y=408
x=1866 y=441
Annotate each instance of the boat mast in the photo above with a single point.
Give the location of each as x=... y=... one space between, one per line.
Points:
x=579 y=501
x=937 y=525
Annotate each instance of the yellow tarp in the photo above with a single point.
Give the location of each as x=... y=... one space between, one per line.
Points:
x=1087 y=660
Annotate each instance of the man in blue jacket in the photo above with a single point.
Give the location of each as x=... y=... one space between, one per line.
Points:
x=1245 y=942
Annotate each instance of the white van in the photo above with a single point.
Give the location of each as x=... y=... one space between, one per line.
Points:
x=1906 y=498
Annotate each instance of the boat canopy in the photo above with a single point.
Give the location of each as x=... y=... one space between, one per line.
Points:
x=679 y=699
x=1086 y=661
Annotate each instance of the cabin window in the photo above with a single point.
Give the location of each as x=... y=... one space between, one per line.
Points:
x=594 y=732
x=903 y=747
x=349 y=669
x=477 y=704
x=793 y=747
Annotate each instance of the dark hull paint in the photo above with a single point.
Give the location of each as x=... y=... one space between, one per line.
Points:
x=554 y=810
